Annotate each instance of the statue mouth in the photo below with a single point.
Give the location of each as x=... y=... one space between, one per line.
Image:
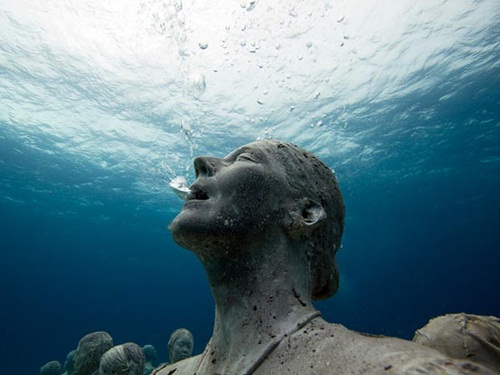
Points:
x=179 y=186
x=197 y=194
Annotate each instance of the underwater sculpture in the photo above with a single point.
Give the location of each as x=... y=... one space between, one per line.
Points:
x=151 y=356
x=69 y=366
x=88 y=354
x=180 y=345
x=464 y=336
x=51 y=368
x=124 y=359
x=266 y=222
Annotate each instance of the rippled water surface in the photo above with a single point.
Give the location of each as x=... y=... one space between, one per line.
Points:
x=102 y=103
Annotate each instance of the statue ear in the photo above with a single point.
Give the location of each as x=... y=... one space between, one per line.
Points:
x=305 y=215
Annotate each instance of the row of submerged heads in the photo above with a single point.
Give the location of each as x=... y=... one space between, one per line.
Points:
x=97 y=355
x=462 y=336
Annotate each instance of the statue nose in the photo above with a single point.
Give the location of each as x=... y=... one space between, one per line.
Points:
x=205 y=166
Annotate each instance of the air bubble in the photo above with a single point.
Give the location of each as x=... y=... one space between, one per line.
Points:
x=179 y=187
x=178 y=5
x=197 y=83
x=248 y=6
x=203 y=45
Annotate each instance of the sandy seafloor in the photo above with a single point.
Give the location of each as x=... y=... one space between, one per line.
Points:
x=101 y=104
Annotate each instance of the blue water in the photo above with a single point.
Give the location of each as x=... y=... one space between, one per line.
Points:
x=96 y=117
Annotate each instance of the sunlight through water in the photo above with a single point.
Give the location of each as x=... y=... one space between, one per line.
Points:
x=134 y=89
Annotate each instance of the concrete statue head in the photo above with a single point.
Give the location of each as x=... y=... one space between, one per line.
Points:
x=180 y=345
x=69 y=366
x=264 y=187
x=151 y=356
x=51 y=368
x=90 y=349
x=125 y=359
x=150 y=353
x=464 y=336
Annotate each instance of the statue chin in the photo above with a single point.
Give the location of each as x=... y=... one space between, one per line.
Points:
x=189 y=236
x=182 y=236
x=185 y=228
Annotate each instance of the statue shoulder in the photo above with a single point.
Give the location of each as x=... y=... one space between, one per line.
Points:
x=184 y=367
x=326 y=348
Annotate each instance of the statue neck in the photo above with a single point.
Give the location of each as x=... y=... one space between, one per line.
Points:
x=261 y=293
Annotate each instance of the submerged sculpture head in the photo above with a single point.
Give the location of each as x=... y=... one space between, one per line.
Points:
x=150 y=353
x=125 y=359
x=51 y=368
x=69 y=366
x=180 y=345
x=90 y=349
x=263 y=189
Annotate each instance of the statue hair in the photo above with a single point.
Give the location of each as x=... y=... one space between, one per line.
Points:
x=307 y=176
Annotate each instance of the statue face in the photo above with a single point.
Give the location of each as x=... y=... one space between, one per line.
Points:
x=182 y=349
x=232 y=199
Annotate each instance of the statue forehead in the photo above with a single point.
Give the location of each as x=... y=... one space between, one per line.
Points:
x=179 y=335
x=184 y=339
x=263 y=148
